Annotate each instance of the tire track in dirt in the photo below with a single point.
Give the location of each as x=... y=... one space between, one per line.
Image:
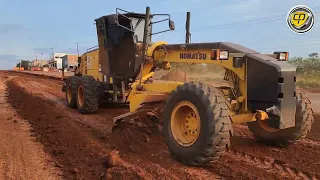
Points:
x=241 y=165
x=271 y=165
x=200 y=174
x=302 y=156
x=243 y=131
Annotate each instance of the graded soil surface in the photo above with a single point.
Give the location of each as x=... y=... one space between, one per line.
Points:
x=20 y=156
x=79 y=146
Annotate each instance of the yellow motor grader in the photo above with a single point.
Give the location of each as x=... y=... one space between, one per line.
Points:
x=197 y=118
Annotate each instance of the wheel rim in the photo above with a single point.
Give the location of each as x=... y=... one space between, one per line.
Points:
x=69 y=93
x=185 y=123
x=80 y=96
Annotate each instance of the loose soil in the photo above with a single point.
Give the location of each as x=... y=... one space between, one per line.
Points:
x=83 y=146
x=175 y=75
x=20 y=156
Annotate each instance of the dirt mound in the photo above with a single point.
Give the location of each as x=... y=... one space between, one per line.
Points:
x=175 y=75
x=67 y=141
x=141 y=139
x=140 y=132
x=20 y=156
x=139 y=143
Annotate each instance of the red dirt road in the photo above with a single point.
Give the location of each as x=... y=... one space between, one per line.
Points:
x=78 y=145
x=20 y=156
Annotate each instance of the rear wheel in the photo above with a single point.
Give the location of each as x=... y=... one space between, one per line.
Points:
x=265 y=133
x=87 y=95
x=71 y=87
x=197 y=126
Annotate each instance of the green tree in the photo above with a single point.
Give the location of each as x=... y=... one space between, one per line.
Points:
x=24 y=64
x=306 y=65
x=313 y=55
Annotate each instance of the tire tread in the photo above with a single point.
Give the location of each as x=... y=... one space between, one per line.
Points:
x=220 y=127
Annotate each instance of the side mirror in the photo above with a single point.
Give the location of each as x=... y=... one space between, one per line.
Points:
x=171 y=25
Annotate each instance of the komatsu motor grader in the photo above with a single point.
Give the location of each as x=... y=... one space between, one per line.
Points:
x=197 y=118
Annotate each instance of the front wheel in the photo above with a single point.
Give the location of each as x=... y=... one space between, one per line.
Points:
x=197 y=127
x=304 y=119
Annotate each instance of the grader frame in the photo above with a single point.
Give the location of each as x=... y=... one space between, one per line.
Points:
x=197 y=118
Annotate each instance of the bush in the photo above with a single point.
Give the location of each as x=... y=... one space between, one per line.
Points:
x=306 y=65
x=308 y=71
x=200 y=71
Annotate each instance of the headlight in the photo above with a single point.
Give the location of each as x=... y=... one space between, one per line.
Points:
x=282 y=56
x=219 y=54
x=224 y=55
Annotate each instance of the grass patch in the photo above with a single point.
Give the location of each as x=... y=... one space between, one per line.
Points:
x=200 y=71
x=310 y=80
x=308 y=71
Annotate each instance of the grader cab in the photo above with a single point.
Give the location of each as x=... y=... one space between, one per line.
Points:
x=197 y=118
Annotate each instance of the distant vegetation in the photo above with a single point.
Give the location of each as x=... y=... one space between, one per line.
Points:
x=200 y=72
x=24 y=64
x=308 y=71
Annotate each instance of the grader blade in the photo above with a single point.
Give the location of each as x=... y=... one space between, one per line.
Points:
x=151 y=112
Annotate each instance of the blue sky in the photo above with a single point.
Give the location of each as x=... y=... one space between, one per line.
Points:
x=33 y=26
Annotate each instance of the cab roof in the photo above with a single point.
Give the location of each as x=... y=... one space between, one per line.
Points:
x=133 y=15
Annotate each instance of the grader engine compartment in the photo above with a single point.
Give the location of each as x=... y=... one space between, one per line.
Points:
x=269 y=83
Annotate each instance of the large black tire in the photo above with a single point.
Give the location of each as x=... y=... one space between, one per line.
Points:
x=284 y=137
x=71 y=88
x=215 y=124
x=87 y=95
